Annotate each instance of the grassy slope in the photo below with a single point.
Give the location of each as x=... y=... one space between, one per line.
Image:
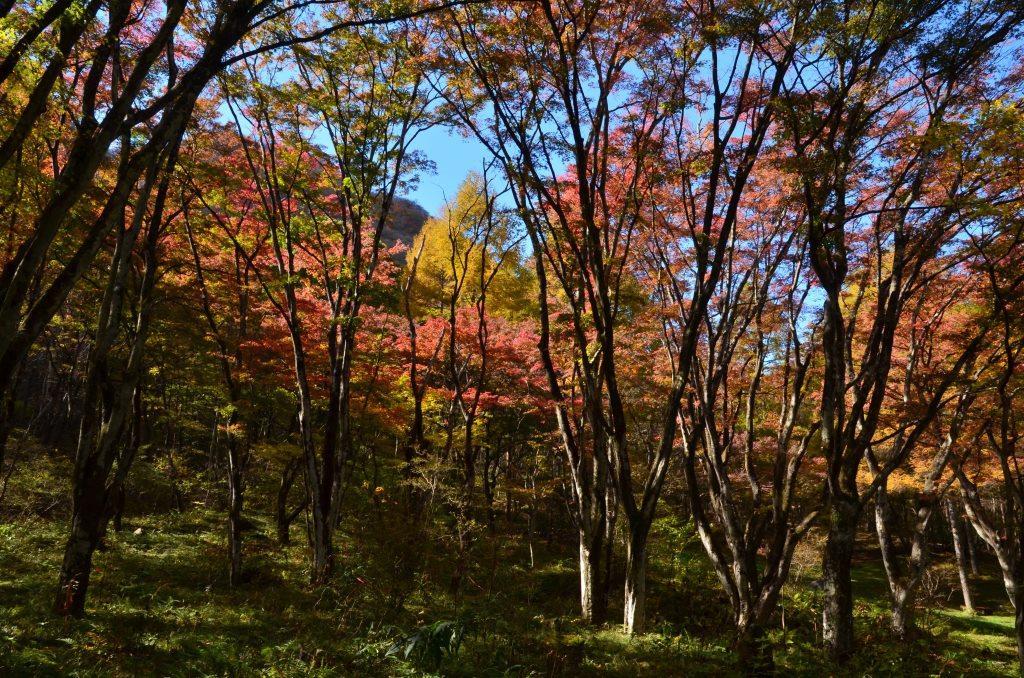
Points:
x=160 y=606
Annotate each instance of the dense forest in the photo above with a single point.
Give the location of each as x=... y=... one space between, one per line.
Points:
x=714 y=364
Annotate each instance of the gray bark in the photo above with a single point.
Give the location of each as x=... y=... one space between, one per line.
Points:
x=837 y=616
x=956 y=527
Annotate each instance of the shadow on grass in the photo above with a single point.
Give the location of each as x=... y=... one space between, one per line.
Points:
x=996 y=625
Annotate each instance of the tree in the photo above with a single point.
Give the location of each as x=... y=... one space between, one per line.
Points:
x=112 y=385
x=223 y=276
x=748 y=425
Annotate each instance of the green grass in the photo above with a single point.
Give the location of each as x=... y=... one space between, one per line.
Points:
x=160 y=605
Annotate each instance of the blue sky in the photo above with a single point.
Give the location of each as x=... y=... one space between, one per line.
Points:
x=455 y=156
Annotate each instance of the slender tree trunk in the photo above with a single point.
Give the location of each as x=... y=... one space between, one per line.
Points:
x=1018 y=603
x=531 y=515
x=105 y=421
x=837 y=617
x=284 y=518
x=236 y=465
x=972 y=551
x=323 y=547
x=529 y=536
x=1018 y=625
x=488 y=489
x=118 y=509
x=323 y=550
x=611 y=518
x=116 y=494
x=6 y=421
x=321 y=527
x=415 y=446
x=956 y=527
x=319 y=477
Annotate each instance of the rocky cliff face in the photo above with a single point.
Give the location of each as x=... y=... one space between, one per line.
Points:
x=407 y=218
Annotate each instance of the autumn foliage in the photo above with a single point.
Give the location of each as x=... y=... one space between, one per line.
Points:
x=755 y=266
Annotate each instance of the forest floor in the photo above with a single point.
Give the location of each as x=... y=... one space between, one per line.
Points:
x=159 y=604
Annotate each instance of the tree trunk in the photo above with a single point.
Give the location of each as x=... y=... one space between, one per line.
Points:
x=901 y=583
x=116 y=494
x=6 y=422
x=1006 y=566
x=235 y=498
x=636 y=582
x=956 y=527
x=1018 y=619
x=283 y=536
x=590 y=575
x=972 y=551
x=837 y=617
x=284 y=518
x=753 y=651
x=110 y=397
x=1018 y=625
x=611 y=504
x=86 y=526
x=901 y=615
x=531 y=514
x=323 y=543
x=319 y=478
x=118 y=509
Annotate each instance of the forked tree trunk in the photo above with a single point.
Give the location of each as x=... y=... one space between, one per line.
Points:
x=319 y=478
x=837 y=617
x=106 y=420
x=116 y=493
